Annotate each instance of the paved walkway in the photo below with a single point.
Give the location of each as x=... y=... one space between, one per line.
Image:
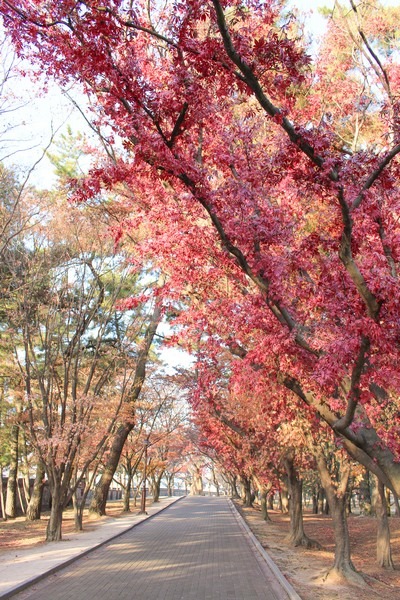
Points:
x=196 y=549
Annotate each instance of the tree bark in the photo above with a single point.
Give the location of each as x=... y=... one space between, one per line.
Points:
x=156 y=487
x=127 y=492
x=12 y=483
x=170 y=484
x=270 y=501
x=99 y=500
x=233 y=485
x=247 y=496
x=342 y=568
x=284 y=496
x=297 y=536
x=53 y=531
x=78 y=513
x=365 y=494
x=383 y=548
x=35 y=503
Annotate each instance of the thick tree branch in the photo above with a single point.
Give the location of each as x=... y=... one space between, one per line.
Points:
x=375 y=174
x=346 y=256
x=262 y=283
x=354 y=393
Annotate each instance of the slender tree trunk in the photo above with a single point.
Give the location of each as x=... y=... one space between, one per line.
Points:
x=297 y=536
x=78 y=513
x=126 y=502
x=3 y=506
x=365 y=494
x=383 y=548
x=25 y=471
x=12 y=483
x=284 y=496
x=342 y=568
x=215 y=482
x=270 y=501
x=170 y=485
x=35 y=503
x=99 y=501
x=315 y=491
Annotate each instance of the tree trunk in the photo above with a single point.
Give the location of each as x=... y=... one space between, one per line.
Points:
x=156 y=488
x=126 y=502
x=233 y=485
x=196 y=489
x=53 y=531
x=170 y=485
x=12 y=483
x=263 y=489
x=383 y=548
x=365 y=494
x=342 y=568
x=78 y=513
x=3 y=507
x=270 y=501
x=99 y=501
x=284 y=496
x=247 y=496
x=297 y=536
x=35 y=503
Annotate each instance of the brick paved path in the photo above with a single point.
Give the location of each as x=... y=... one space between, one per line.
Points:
x=194 y=550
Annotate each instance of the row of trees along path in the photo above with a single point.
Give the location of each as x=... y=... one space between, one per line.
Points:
x=268 y=183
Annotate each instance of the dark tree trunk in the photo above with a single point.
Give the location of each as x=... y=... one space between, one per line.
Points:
x=321 y=500
x=247 y=496
x=156 y=487
x=11 y=495
x=270 y=501
x=365 y=494
x=53 y=531
x=383 y=548
x=396 y=505
x=233 y=485
x=297 y=536
x=314 y=498
x=35 y=503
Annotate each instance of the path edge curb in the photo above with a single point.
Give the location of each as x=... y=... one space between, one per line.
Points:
x=289 y=589
x=29 y=582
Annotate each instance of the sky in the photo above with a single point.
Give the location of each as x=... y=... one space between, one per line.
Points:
x=44 y=115
x=48 y=113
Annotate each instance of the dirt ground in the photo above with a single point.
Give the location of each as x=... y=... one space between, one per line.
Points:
x=303 y=568
x=18 y=533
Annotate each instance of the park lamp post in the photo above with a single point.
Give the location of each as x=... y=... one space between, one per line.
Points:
x=143 y=499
